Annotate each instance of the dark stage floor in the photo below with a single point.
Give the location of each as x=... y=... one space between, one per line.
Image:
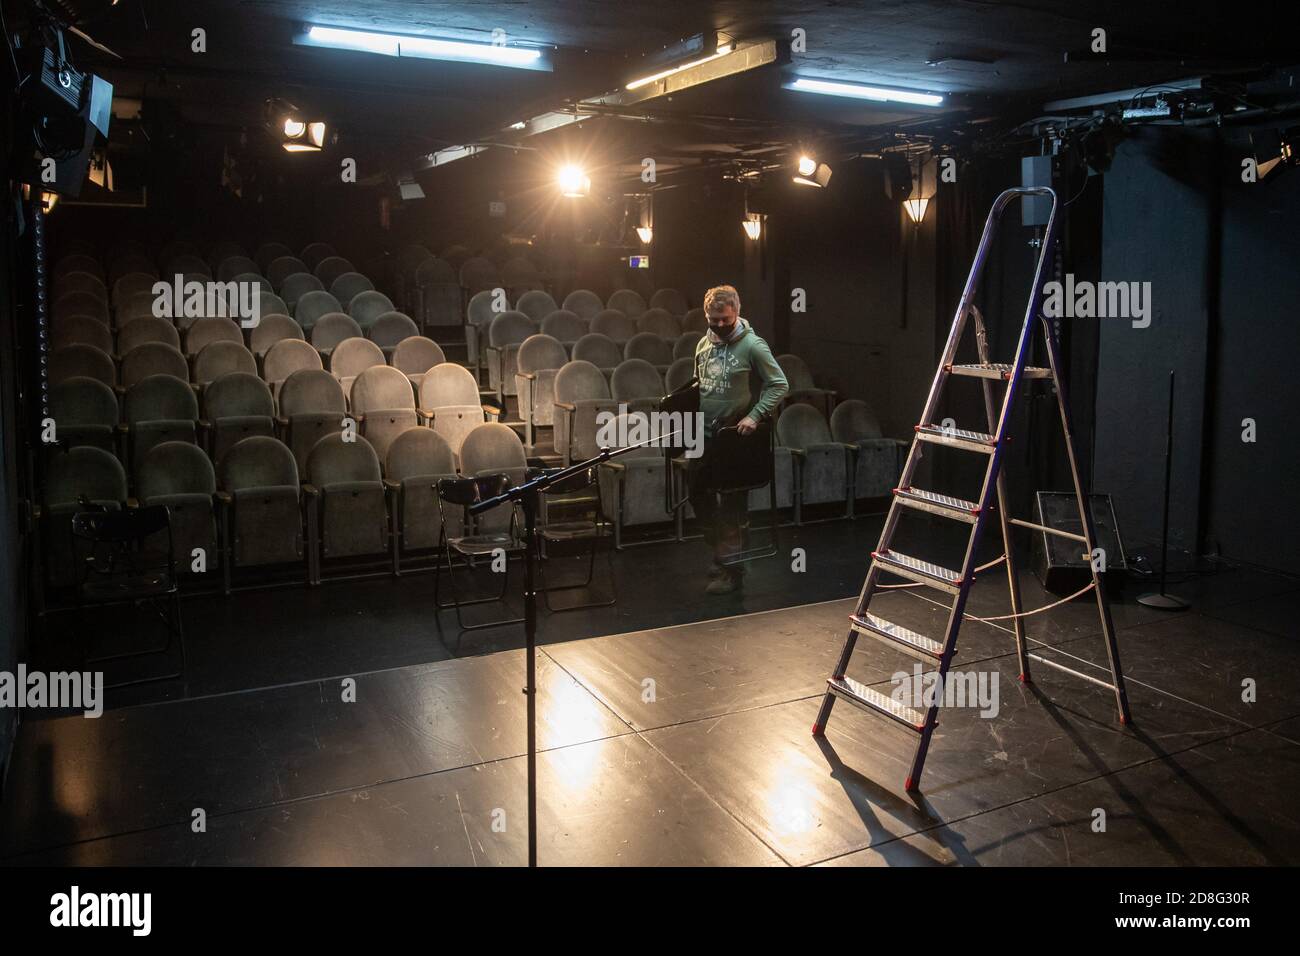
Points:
x=716 y=767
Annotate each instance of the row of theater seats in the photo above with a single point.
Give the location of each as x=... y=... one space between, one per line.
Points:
x=299 y=380
x=258 y=506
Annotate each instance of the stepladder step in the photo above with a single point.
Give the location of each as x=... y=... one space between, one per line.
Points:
x=932 y=502
x=895 y=635
x=922 y=572
x=873 y=701
x=962 y=438
x=998 y=370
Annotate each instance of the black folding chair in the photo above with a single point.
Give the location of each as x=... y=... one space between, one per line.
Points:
x=588 y=529
x=737 y=463
x=461 y=493
x=125 y=566
x=741 y=464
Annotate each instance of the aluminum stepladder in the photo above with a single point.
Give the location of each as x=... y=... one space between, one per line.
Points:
x=957 y=583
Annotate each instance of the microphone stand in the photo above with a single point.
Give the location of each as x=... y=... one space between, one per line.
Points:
x=529 y=495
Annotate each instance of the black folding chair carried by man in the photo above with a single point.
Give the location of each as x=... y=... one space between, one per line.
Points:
x=735 y=464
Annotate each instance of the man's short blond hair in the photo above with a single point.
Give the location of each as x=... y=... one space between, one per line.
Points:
x=723 y=295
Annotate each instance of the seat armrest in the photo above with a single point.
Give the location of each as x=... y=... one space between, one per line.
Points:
x=309 y=490
x=224 y=498
x=617 y=467
x=392 y=485
x=567 y=406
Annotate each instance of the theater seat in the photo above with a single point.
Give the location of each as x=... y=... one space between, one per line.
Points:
x=821 y=464
x=153 y=358
x=366 y=307
x=801 y=384
x=282 y=267
x=350 y=285
x=627 y=301
x=295 y=286
x=222 y=358
x=583 y=303
x=390 y=330
x=83 y=361
x=614 y=324
x=417 y=458
x=536 y=304
x=312 y=405
x=158 y=409
x=86 y=330
x=632 y=485
x=331 y=329
x=260 y=502
x=414 y=356
x=878 y=460
x=565 y=326
x=384 y=406
x=637 y=384
x=286 y=357
x=236 y=406
x=649 y=347
x=669 y=300
x=581 y=397
x=600 y=350
x=449 y=403
x=506 y=333
x=146 y=329
x=351 y=357
x=491 y=449
x=660 y=322
x=312 y=306
x=539 y=360
x=347 y=512
x=180 y=477
x=270 y=330
x=85 y=412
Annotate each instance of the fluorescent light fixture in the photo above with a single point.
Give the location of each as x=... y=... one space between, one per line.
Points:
x=645 y=233
x=879 y=94
x=753 y=225
x=916 y=209
x=428 y=48
x=574 y=183
x=723 y=50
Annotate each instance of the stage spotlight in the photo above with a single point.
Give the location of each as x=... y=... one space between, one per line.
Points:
x=1272 y=148
x=573 y=182
x=753 y=225
x=297 y=133
x=645 y=233
x=809 y=172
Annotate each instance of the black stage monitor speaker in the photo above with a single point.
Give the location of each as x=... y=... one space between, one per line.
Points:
x=1058 y=562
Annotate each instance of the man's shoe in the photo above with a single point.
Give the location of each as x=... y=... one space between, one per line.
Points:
x=724 y=584
x=716 y=571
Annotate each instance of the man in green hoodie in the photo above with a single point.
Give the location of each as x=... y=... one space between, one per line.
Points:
x=728 y=356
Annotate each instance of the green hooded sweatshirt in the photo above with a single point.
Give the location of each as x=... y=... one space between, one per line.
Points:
x=725 y=370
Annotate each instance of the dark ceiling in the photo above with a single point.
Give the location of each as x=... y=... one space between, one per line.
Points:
x=994 y=59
